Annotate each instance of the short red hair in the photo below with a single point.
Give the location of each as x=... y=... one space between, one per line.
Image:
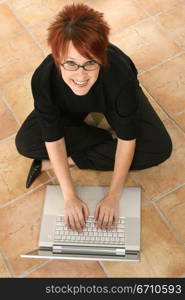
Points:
x=85 y=27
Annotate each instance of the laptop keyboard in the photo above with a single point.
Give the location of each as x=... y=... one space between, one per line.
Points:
x=90 y=235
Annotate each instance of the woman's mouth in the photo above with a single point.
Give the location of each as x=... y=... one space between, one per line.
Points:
x=80 y=83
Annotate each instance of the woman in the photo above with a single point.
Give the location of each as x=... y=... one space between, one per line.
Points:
x=85 y=73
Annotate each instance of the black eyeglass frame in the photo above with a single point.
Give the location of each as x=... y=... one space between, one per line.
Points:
x=80 y=66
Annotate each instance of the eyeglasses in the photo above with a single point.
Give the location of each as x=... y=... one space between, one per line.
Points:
x=90 y=65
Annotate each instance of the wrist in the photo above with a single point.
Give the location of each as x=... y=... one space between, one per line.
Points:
x=69 y=194
x=114 y=193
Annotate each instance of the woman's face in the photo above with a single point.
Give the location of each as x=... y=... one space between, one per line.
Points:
x=80 y=81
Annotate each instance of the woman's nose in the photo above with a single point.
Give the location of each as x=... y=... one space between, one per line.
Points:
x=81 y=72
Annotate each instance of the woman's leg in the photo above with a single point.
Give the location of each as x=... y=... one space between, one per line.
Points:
x=28 y=143
x=102 y=157
x=78 y=137
x=28 y=139
x=87 y=146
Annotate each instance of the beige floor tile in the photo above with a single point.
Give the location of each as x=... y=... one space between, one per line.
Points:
x=15 y=58
x=176 y=134
x=41 y=10
x=86 y=177
x=166 y=84
x=13 y=172
x=19 y=96
x=4 y=273
x=180 y=119
x=159 y=246
x=8 y=22
x=123 y=14
x=141 y=42
x=20 y=222
x=79 y=1
x=155 y=6
x=173 y=21
x=40 y=34
x=8 y=122
x=173 y=207
x=128 y=269
x=170 y=173
x=70 y=269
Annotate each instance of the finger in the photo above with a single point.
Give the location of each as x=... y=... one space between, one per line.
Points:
x=85 y=211
x=78 y=225
x=66 y=221
x=110 y=221
x=81 y=218
x=97 y=210
x=101 y=218
x=115 y=221
x=114 y=225
x=71 y=222
x=105 y=221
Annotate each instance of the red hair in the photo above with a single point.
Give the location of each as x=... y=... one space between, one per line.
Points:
x=85 y=27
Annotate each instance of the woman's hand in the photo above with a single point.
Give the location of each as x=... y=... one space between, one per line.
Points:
x=106 y=212
x=75 y=213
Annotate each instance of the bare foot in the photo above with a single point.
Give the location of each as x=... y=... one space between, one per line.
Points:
x=71 y=162
x=46 y=165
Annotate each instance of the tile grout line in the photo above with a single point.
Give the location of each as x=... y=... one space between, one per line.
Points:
x=130 y=26
x=103 y=268
x=13 y=35
x=176 y=125
x=158 y=104
x=179 y=113
x=140 y=6
x=161 y=196
x=169 y=226
x=50 y=180
x=147 y=94
x=161 y=11
x=7 y=263
x=6 y=84
x=8 y=138
x=161 y=62
x=26 y=29
x=8 y=106
x=169 y=9
x=25 y=194
x=34 y=268
x=154 y=20
x=170 y=35
x=170 y=117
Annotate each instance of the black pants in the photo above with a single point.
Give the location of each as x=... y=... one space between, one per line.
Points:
x=90 y=147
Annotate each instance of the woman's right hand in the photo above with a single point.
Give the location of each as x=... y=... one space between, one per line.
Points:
x=75 y=213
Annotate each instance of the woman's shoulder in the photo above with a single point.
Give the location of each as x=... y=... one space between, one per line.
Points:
x=120 y=72
x=120 y=66
x=43 y=73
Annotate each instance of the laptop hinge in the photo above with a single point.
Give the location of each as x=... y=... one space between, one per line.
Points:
x=88 y=250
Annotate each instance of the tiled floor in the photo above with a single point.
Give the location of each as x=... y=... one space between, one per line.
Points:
x=152 y=33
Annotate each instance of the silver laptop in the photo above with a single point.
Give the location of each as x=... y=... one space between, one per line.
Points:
x=56 y=241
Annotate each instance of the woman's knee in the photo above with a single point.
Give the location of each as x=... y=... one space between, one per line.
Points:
x=19 y=143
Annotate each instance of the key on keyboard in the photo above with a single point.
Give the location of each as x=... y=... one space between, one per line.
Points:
x=90 y=235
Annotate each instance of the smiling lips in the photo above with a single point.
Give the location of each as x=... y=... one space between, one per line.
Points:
x=80 y=83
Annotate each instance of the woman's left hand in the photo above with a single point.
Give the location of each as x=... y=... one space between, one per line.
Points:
x=106 y=212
